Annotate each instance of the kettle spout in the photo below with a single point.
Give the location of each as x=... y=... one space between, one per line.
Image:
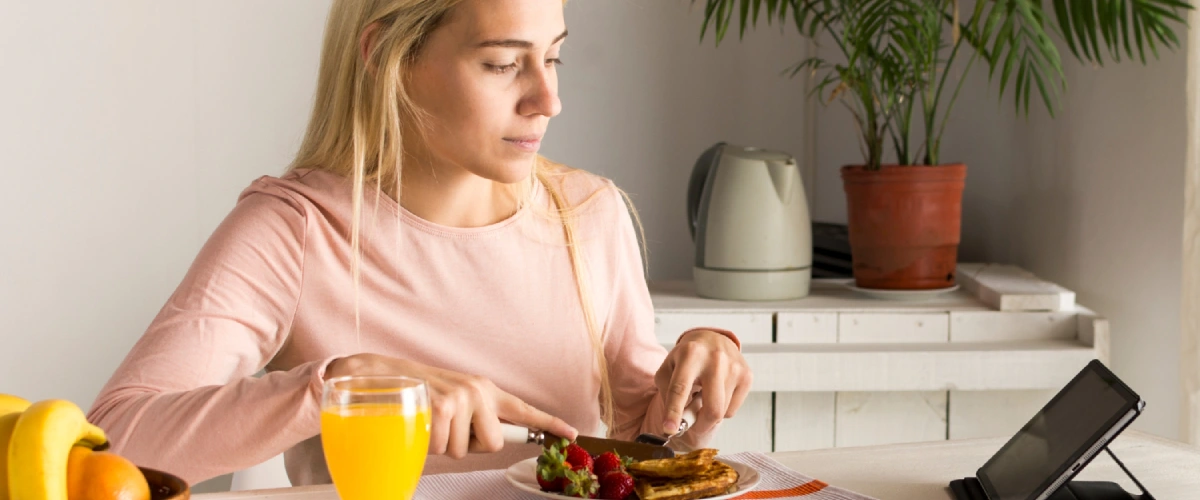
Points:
x=784 y=175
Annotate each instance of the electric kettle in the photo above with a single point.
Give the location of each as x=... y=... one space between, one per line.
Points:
x=749 y=220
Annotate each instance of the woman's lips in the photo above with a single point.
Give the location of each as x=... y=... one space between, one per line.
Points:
x=528 y=144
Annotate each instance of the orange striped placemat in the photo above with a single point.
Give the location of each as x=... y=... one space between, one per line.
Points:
x=778 y=481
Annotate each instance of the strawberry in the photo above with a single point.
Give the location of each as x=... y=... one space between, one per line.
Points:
x=616 y=485
x=581 y=483
x=551 y=469
x=578 y=457
x=606 y=462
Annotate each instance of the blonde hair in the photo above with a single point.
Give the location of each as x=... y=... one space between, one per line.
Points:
x=357 y=121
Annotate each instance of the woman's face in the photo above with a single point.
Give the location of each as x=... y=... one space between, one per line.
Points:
x=488 y=80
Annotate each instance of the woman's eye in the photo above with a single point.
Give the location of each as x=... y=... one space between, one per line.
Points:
x=554 y=62
x=500 y=69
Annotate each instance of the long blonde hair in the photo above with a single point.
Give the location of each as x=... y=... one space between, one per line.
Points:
x=359 y=114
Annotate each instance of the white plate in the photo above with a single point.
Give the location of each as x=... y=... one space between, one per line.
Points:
x=901 y=294
x=521 y=476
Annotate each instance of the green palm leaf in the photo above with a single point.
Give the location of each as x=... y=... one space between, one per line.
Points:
x=893 y=52
x=1080 y=21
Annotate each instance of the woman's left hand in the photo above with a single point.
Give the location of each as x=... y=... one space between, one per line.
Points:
x=708 y=362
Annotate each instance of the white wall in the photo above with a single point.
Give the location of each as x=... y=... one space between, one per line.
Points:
x=1098 y=205
x=128 y=129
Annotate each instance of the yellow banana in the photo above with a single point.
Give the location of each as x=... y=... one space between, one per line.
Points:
x=41 y=440
x=10 y=404
x=7 y=422
x=10 y=410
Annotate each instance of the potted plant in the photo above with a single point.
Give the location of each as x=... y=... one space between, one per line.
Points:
x=892 y=72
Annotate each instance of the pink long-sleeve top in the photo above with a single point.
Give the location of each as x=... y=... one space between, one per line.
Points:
x=272 y=288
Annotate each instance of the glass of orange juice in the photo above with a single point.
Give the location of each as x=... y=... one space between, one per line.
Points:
x=375 y=433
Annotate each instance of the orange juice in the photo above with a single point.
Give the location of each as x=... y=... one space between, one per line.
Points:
x=375 y=451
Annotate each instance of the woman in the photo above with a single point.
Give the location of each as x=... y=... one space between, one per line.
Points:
x=418 y=233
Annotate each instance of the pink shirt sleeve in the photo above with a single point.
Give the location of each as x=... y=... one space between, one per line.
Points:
x=633 y=351
x=185 y=400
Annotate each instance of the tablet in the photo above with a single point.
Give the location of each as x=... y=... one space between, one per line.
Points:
x=1062 y=438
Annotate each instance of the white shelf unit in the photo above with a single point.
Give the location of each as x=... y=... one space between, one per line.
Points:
x=838 y=368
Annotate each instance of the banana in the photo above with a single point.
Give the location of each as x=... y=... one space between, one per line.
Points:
x=10 y=410
x=37 y=451
x=10 y=404
x=7 y=422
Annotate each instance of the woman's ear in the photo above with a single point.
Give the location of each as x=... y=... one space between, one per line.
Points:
x=366 y=43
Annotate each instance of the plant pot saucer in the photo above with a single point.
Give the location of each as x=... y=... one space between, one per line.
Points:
x=901 y=295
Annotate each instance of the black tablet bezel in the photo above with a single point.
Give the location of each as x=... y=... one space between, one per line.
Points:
x=1132 y=403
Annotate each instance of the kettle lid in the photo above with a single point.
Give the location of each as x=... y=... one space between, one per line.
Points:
x=753 y=153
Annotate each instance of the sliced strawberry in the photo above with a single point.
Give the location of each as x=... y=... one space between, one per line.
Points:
x=605 y=463
x=616 y=485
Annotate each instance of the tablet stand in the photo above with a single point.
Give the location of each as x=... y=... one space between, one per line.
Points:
x=970 y=489
x=1145 y=494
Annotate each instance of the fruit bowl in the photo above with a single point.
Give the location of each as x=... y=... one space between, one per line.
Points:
x=165 y=486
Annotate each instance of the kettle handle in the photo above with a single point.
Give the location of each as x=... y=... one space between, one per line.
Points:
x=696 y=183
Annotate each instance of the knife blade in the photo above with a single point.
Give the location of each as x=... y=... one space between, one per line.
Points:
x=637 y=451
x=593 y=445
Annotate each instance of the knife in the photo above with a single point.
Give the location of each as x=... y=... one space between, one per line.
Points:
x=685 y=422
x=593 y=445
x=645 y=447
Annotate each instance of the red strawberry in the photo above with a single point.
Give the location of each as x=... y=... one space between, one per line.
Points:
x=554 y=486
x=581 y=483
x=578 y=457
x=551 y=469
x=616 y=486
x=605 y=463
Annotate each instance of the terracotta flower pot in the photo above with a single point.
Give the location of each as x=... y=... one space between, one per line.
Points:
x=905 y=224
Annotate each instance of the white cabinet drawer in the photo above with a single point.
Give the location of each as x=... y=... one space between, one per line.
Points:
x=804 y=420
x=806 y=328
x=750 y=327
x=750 y=429
x=994 y=326
x=893 y=328
x=873 y=418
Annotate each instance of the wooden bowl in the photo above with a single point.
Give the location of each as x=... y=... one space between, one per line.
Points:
x=165 y=486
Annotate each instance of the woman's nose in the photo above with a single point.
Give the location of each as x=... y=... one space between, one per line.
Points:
x=541 y=96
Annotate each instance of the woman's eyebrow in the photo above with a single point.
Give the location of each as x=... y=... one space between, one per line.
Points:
x=519 y=44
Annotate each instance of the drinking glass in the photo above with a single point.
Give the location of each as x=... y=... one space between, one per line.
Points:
x=375 y=435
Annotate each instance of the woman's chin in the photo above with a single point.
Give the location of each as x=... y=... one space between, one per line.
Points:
x=510 y=172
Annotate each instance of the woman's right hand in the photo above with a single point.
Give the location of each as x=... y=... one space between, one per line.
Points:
x=459 y=404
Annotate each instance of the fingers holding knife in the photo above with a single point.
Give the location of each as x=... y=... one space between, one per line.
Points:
x=708 y=363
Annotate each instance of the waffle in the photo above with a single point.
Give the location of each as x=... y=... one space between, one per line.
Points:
x=716 y=479
x=678 y=467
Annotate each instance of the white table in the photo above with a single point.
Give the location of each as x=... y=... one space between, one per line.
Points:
x=922 y=471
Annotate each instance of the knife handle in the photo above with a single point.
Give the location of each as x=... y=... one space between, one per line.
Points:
x=515 y=434
x=686 y=420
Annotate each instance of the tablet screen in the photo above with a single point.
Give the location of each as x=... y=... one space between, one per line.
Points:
x=1058 y=435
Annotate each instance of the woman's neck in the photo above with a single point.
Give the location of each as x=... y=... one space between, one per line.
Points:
x=454 y=197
